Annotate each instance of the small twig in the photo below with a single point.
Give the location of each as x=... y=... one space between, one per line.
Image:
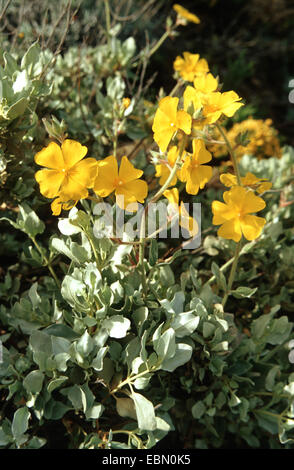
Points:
x=134 y=16
x=4 y=9
x=58 y=21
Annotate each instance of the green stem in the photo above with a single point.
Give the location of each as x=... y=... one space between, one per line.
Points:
x=141 y=253
x=107 y=18
x=94 y=250
x=176 y=87
x=115 y=141
x=231 y=152
x=238 y=246
x=172 y=173
x=274 y=415
x=153 y=200
x=131 y=435
x=224 y=267
x=232 y=273
x=129 y=380
x=159 y=43
x=271 y=353
x=46 y=261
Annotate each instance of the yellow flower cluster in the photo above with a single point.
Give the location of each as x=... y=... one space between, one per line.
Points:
x=202 y=107
x=180 y=128
x=262 y=139
x=68 y=176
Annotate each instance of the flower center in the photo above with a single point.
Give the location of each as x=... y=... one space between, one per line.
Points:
x=194 y=164
x=118 y=182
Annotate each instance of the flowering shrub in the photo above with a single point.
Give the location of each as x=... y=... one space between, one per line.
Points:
x=117 y=324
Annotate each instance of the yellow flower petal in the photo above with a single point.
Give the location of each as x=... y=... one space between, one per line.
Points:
x=191 y=96
x=56 y=206
x=84 y=172
x=50 y=182
x=127 y=171
x=172 y=196
x=252 y=203
x=235 y=196
x=230 y=109
x=228 y=179
x=50 y=157
x=264 y=187
x=231 y=230
x=163 y=172
x=204 y=175
x=220 y=213
x=107 y=174
x=201 y=67
x=134 y=190
x=163 y=138
x=164 y=124
x=200 y=153
x=250 y=179
x=71 y=190
x=188 y=222
x=172 y=155
x=186 y=13
x=197 y=179
x=184 y=121
x=168 y=106
x=72 y=152
x=228 y=103
x=206 y=83
x=252 y=226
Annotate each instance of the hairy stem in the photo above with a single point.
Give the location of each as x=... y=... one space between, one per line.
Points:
x=231 y=152
x=46 y=261
x=153 y=200
x=232 y=273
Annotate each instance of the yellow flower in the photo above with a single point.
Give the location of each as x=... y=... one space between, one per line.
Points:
x=126 y=102
x=197 y=96
x=205 y=84
x=191 y=66
x=235 y=215
x=192 y=96
x=185 y=220
x=163 y=169
x=124 y=182
x=66 y=175
x=218 y=103
x=259 y=184
x=194 y=173
x=182 y=12
x=168 y=120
